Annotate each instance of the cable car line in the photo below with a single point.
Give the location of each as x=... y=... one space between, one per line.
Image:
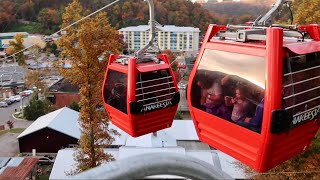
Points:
x=63 y=29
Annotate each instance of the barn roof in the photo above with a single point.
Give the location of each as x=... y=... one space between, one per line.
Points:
x=18 y=168
x=64 y=120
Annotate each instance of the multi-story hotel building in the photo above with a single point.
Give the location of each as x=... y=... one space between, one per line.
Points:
x=177 y=39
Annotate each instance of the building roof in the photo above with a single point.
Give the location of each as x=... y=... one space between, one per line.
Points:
x=3 y=161
x=29 y=41
x=64 y=120
x=65 y=162
x=165 y=28
x=12 y=34
x=18 y=168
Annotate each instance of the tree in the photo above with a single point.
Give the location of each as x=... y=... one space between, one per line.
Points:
x=304 y=166
x=10 y=124
x=7 y=16
x=17 y=45
x=36 y=109
x=27 y=10
x=75 y=106
x=82 y=44
x=174 y=64
x=49 y=17
x=33 y=76
x=306 y=11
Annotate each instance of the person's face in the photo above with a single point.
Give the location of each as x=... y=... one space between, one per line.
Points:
x=238 y=93
x=200 y=84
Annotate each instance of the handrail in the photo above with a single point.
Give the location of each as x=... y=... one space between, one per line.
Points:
x=155 y=91
x=141 y=166
x=156 y=97
x=145 y=87
x=154 y=79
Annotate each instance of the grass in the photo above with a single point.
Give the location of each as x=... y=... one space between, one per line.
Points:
x=15 y=130
x=43 y=177
x=33 y=28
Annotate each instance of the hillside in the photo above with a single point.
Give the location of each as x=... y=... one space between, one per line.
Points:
x=44 y=16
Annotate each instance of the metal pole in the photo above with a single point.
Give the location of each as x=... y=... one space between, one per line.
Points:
x=141 y=166
x=152 y=33
x=263 y=20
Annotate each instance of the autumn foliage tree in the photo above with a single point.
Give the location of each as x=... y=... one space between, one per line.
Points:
x=17 y=45
x=49 y=17
x=306 y=11
x=82 y=44
x=304 y=166
x=7 y=9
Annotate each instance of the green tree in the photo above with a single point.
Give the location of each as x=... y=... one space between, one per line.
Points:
x=17 y=45
x=75 y=106
x=82 y=44
x=35 y=109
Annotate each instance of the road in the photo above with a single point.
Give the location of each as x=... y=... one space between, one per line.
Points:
x=6 y=113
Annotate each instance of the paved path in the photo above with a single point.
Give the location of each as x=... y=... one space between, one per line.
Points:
x=6 y=113
x=9 y=145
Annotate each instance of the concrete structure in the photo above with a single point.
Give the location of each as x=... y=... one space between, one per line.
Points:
x=51 y=132
x=177 y=39
x=181 y=139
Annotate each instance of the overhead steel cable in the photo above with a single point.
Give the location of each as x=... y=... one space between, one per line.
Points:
x=63 y=29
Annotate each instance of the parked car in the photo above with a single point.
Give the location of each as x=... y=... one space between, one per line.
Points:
x=8 y=101
x=46 y=160
x=29 y=91
x=3 y=104
x=23 y=94
x=11 y=98
x=16 y=98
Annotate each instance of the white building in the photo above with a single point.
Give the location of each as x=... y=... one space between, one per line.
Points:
x=181 y=138
x=177 y=39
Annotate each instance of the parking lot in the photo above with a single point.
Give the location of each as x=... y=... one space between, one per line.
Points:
x=6 y=112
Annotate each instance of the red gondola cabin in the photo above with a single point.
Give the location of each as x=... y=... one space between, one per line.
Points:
x=255 y=92
x=140 y=98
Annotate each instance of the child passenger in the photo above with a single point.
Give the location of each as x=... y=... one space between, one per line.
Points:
x=240 y=105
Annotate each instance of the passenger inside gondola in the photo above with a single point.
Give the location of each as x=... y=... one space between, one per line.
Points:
x=254 y=123
x=239 y=103
x=229 y=97
x=118 y=98
x=115 y=90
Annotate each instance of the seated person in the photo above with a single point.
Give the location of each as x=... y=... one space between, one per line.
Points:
x=118 y=98
x=255 y=122
x=240 y=105
x=212 y=96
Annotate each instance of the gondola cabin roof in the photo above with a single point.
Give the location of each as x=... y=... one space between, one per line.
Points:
x=141 y=67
